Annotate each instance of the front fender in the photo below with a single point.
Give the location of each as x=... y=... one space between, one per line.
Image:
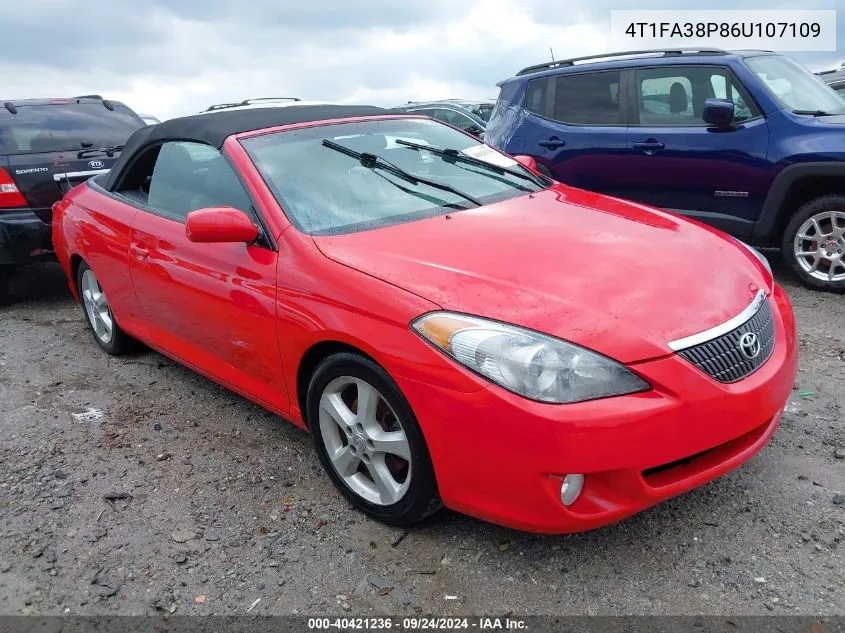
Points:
x=778 y=192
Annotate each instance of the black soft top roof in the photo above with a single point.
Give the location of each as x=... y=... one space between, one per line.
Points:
x=214 y=128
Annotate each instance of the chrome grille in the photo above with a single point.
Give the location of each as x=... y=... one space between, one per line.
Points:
x=722 y=357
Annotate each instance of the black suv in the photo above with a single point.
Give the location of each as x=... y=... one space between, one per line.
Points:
x=46 y=147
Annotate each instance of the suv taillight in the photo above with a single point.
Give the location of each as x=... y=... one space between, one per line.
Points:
x=10 y=195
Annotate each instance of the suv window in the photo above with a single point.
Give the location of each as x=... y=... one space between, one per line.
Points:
x=452 y=117
x=725 y=88
x=180 y=177
x=64 y=127
x=582 y=99
x=675 y=95
x=481 y=110
x=661 y=95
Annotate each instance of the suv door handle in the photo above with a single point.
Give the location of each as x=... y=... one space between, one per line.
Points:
x=650 y=146
x=138 y=252
x=552 y=143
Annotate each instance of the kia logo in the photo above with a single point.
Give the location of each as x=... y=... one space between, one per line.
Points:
x=749 y=345
x=96 y=164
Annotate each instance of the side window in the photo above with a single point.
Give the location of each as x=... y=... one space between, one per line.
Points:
x=720 y=86
x=442 y=114
x=439 y=114
x=724 y=87
x=675 y=95
x=186 y=176
x=536 y=96
x=582 y=99
x=665 y=97
x=135 y=184
x=460 y=120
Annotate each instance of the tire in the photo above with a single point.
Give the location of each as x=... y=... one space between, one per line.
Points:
x=98 y=315
x=5 y=274
x=828 y=213
x=338 y=384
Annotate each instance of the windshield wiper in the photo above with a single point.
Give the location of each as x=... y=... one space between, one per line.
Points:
x=457 y=155
x=109 y=151
x=813 y=112
x=372 y=161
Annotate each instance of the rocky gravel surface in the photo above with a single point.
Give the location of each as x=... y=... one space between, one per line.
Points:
x=134 y=486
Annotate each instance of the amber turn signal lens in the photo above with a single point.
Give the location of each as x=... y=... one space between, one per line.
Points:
x=439 y=329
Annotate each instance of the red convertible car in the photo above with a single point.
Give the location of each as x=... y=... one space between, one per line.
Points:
x=452 y=327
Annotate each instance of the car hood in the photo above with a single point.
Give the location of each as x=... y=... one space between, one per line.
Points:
x=613 y=276
x=833 y=119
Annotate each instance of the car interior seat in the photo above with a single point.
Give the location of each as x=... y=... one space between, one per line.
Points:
x=678 y=99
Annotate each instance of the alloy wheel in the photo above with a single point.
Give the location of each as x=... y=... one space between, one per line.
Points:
x=97 y=307
x=819 y=246
x=364 y=440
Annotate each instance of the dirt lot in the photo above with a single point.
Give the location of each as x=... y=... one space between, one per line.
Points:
x=214 y=504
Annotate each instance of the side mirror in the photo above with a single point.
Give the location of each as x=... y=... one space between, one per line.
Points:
x=220 y=224
x=474 y=130
x=718 y=112
x=526 y=161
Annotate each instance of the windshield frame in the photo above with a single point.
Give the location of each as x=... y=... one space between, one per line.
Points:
x=245 y=139
x=794 y=65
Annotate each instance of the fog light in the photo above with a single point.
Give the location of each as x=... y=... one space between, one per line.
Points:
x=571 y=488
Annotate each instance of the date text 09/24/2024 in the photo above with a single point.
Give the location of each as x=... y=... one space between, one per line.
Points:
x=417 y=623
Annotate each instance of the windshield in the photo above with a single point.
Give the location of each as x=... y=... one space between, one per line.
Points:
x=65 y=127
x=795 y=86
x=326 y=192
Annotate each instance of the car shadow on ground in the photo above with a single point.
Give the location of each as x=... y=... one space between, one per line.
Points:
x=38 y=284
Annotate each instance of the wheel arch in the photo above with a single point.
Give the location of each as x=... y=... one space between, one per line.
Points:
x=312 y=357
x=794 y=186
x=75 y=261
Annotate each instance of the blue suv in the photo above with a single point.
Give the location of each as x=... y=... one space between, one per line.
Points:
x=749 y=142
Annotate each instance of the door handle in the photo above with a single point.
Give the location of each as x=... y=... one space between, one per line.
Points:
x=552 y=143
x=138 y=252
x=650 y=146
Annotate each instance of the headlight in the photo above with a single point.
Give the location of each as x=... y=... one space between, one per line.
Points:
x=758 y=255
x=534 y=365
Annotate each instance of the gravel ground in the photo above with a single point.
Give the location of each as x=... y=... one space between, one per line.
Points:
x=169 y=494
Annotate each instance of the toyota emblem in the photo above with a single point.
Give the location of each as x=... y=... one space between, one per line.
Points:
x=749 y=345
x=96 y=164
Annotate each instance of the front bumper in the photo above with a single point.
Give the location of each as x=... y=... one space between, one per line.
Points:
x=501 y=458
x=24 y=238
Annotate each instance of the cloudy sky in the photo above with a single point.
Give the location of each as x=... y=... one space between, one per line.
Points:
x=175 y=57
